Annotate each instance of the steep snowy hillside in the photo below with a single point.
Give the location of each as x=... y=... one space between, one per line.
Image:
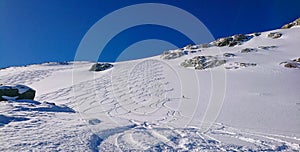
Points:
x=239 y=93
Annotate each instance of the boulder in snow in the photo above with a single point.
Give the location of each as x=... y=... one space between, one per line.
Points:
x=192 y=47
x=205 y=45
x=291 y=64
x=274 y=35
x=237 y=65
x=223 y=41
x=172 y=54
x=203 y=62
x=248 y=50
x=257 y=34
x=267 y=47
x=16 y=92
x=229 y=55
x=101 y=66
x=232 y=40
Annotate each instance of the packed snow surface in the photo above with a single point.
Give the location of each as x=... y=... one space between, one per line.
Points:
x=155 y=104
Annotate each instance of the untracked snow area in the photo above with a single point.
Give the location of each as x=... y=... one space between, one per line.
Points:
x=155 y=104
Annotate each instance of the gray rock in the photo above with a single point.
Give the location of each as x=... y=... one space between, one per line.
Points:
x=292 y=64
x=257 y=34
x=267 y=47
x=101 y=66
x=167 y=55
x=248 y=50
x=274 y=35
x=16 y=92
x=239 y=37
x=205 y=45
x=289 y=25
x=202 y=62
x=233 y=43
x=234 y=40
x=247 y=64
x=192 y=47
x=297 y=60
x=237 y=65
x=223 y=41
x=229 y=55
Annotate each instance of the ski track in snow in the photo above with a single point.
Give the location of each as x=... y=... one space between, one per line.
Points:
x=118 y=96
x=127 y=108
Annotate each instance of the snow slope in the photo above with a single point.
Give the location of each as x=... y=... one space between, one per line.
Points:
x=153 y=104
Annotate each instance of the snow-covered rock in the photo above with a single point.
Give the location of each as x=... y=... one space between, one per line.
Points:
x=172 y=54
x=248 y=50
x=291 y=64
x=101 y=66
x=267 y=47
x=274 y=35
x=234 y=40
x=203 y=62
x=229 y=55
x=289 y=25
x=16 y=92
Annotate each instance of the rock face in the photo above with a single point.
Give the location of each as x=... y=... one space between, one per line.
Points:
x=232 y=41
x=101 y=67
x=16 y=92
x=167 y=55
x=294 y=23
x=203 y=62
x=274 y=35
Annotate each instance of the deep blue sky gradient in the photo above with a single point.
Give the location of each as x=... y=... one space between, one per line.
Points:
x=36 y=31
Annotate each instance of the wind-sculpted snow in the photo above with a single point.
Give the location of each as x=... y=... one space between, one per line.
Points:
x=157 y=105
x=31 y=125
x=29 y=75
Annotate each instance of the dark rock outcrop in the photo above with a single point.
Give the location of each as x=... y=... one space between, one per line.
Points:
x=192 y=47
x=234 y=40
x=257 y=34
x=237 y=65
x=203 y=62
x=229 y=55
x=291 y=64
x=267 y=47
x=248 y=50
x=205 y=45
x=274 y=35
x=16 y=92
x=294 y=23
x=167 y=55
x=101 y=66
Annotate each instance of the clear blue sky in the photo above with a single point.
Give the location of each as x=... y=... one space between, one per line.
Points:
x=36 y=31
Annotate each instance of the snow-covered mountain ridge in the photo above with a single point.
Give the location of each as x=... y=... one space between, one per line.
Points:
x=161 y=103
